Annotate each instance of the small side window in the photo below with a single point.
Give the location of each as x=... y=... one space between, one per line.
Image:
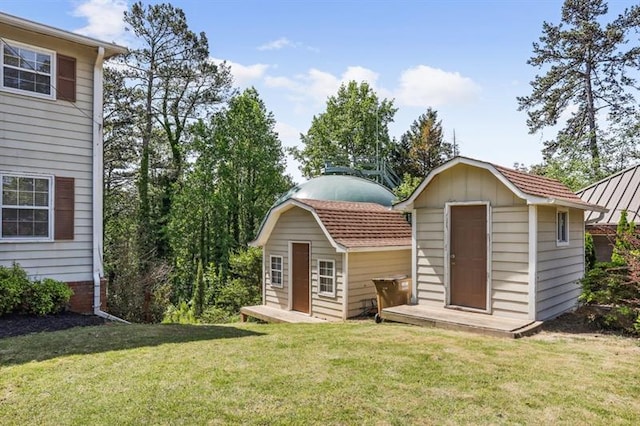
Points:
x=326 y=277
x=562 y=227
x=276 y=271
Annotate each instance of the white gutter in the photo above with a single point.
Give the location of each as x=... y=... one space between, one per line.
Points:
x=97 y=187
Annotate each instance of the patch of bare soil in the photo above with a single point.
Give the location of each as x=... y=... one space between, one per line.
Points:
x=579 y=322
x=16 y=325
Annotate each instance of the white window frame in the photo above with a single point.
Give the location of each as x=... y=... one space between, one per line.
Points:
x=271 y=271
x=562 y=242
x=50 y=207
x=332 y=277
x=52 y=74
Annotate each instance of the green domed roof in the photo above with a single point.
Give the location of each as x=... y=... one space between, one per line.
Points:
x=341 y=188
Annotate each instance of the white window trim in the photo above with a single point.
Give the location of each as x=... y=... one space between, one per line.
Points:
x=271 y=257
x=51 y=208
x=560 y=243
x=332 y=277
x=53 y=74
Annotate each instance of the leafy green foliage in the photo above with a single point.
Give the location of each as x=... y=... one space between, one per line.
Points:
x=614 y=288
x=407 y=186
x=19 y=294
x=198 y=293
x=13 y=281
x=352 y=132
x=237 y=175
x=586 y=74
x=45 y=297
x=589 y=252
x=181 y=314
x=423 y=148
x=623 y=244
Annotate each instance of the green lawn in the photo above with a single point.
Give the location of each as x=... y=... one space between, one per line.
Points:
x=353 y=373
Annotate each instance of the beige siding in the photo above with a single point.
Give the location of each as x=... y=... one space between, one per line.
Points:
x=559 y=267
x=430 y=256
x=363 y=267
x=299 y=225
x=510 y=261
x=466 y=183
x=509 y=238
x=53 y=138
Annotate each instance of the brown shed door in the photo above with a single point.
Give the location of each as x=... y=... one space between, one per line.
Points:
x=300 y=277
x=468 y=256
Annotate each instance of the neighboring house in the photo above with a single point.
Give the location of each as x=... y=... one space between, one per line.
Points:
x=494 y=240
x=51 y=155
x=319 y=256
x=618 y=192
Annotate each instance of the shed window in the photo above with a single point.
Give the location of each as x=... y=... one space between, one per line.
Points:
x=27 y=69
x=276 y=271
x=326 y=277
x=26 y=207
x=562 y=227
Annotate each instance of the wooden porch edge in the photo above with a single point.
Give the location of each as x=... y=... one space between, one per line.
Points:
x=527 y=330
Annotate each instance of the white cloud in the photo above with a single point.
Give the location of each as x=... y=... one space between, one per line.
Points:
x=105 y=19
x=289 y=135
x=426 y=86
x=243 y=74
x=280 y=43
x=315 y=86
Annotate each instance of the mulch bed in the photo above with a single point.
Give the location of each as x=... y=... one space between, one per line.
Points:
x=16 y=325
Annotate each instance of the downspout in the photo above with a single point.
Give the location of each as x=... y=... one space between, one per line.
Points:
x=97 y=187
x=596 y=219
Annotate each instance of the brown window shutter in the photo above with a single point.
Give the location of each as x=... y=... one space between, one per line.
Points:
x=63 y=221
x=66 y=82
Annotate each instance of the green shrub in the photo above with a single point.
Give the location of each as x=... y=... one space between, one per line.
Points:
x=181 y=314
x=45 y=297
x=217 y=315
x=13 y=282
x=608 y=288
x=589 y=252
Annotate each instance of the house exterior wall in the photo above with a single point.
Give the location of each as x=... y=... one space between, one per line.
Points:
x=559 y=268
x=508 y=232
x=52 y=137
x=364 y=266
x=299 y=225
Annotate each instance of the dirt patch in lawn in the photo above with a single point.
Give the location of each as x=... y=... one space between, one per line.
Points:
x=16 y=325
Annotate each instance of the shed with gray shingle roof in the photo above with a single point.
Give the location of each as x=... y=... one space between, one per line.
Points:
x=320 y=256
x=497 y=241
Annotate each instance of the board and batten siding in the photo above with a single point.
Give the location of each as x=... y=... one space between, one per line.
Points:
x=299 y=225
x=52 y=137
x=364 y=266
x=559 y=267
x=508 y=230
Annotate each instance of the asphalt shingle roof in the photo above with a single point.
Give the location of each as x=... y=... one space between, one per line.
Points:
x=353 y=224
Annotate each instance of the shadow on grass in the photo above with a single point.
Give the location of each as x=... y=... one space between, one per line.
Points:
x=108 y=337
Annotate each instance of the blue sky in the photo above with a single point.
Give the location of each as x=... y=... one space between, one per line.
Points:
x=465 y=58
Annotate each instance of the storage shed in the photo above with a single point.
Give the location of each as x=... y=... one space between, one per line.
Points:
x=493 y=240
x=319 y=256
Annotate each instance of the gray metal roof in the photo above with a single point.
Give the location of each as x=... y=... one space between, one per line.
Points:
x=618 y=192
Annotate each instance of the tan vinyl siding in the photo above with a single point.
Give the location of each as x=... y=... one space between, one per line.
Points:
x=466 y=183
x=52 y=137
x=365 y=266
x=510 y=261
x=430 y=256
x=299 y=225
x=559 y=268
